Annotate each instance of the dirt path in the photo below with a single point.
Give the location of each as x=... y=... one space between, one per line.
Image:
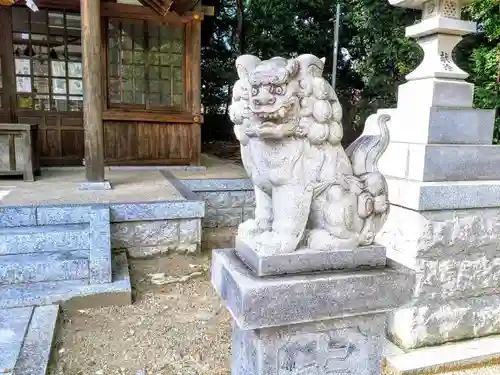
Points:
x=179 y=328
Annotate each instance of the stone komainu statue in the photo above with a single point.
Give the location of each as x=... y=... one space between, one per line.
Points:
x=309 y=191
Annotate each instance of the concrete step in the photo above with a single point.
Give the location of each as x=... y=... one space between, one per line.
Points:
x=13 y=326
x=37 y=346
x=78 y=293
x=26 y=336
x=44 y=266
x=22 y=240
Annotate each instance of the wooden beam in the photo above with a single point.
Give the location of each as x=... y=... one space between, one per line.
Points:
x=8 y=67
x=183 y=6
x=159 y=6
x=158 y=117
x=71 y=5
x=128 y=11
x=195 y=63
x=92 y=88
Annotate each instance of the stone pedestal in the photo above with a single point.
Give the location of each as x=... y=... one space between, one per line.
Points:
x=444 y=185
x=329 y=322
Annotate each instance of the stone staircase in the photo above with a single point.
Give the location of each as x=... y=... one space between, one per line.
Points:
x=44 y=263
x=44 y=253
x=26 y=336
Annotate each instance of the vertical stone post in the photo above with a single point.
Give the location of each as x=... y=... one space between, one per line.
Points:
x=92 y=96
x=444 y=187
x=307 y=289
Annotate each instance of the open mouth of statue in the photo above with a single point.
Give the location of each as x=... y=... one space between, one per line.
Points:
x=279 y=116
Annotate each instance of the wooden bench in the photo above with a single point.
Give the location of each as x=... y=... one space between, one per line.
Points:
x=28 y=133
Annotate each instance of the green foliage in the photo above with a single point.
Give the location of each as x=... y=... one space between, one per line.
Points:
x=381 y=53
x=217 y=58
x=372 y=31
x=485 y=57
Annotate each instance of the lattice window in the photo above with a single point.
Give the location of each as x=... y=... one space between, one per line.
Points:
x=48 y=60
x=451 y=9
x=145 y=65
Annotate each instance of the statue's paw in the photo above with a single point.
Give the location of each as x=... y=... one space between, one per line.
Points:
x=274 y=243
x=251 y=228
x=248 y=228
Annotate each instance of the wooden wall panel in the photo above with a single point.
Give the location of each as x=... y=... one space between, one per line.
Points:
x=4 y=117
x=149 y=143
x=60 y=136
x=120 y=141
x=72 y=143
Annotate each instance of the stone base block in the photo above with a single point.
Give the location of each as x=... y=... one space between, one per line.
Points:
x=465 y=357
x=435 y=92
x=425 y=162
x=306 y=260
x=445 y=195
x=258 y=302
x=440 y=125
x=91 y=185
x=439 y=322
x=350 y=345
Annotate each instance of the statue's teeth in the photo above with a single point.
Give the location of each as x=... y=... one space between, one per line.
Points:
x=282 y=112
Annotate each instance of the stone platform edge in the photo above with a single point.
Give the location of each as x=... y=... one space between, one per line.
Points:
x=35 y=353
x=75 y=294
x=54 y=214
x=192 y=207
x=228 y=201
x=480 y=353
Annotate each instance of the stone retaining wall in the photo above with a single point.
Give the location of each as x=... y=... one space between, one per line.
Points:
x=147 y=238
x=455 y=257
x=228 y=202
x=143 y=229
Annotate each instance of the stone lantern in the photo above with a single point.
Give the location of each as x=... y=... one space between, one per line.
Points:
x=439 y=31
x=444 y=189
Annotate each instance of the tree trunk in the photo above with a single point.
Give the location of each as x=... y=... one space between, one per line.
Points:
x=240 y=30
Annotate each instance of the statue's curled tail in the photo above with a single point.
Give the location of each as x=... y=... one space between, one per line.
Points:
x=364 y=154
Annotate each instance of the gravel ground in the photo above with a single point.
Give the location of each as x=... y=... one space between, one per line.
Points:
x=177 y=328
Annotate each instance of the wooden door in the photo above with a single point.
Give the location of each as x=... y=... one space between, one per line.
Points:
x=48 y=88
